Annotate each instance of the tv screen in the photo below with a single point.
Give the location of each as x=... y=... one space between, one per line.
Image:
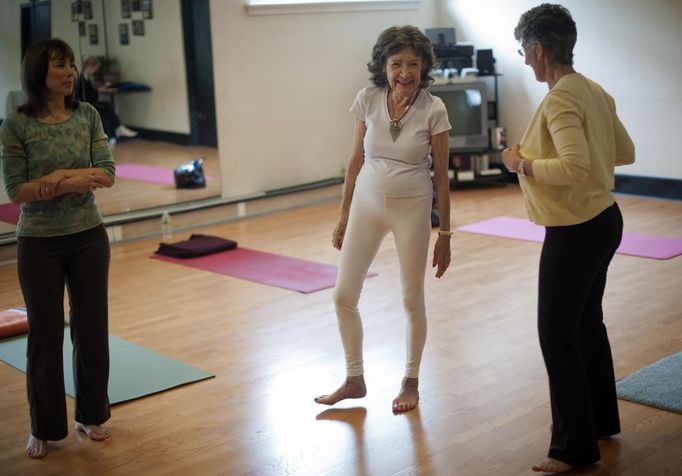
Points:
x=467 y=108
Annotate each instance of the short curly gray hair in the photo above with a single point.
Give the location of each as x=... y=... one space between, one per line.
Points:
x=552 y=26
x=395 y=39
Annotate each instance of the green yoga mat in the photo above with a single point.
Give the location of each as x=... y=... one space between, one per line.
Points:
x=134 y=371
x=657 y=385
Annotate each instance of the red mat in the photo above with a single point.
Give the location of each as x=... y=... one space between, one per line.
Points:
x=10 y=213
x=266 y=268
x=13 y=322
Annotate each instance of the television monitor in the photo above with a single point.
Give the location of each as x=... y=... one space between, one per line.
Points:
x=467 y=106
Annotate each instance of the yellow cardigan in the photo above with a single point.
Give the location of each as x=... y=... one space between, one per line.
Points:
x=575 y=140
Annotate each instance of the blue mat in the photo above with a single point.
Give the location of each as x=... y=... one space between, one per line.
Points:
x=657 y=385
x=134 y=371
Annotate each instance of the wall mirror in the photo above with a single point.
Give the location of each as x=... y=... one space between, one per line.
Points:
x=162 y=45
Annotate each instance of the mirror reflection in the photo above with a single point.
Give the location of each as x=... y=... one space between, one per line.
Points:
x=157 y=84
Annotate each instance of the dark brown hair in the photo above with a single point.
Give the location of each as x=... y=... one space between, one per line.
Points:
x=34 y=71
x=395 y=39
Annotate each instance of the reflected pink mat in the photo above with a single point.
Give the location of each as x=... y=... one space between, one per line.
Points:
x=266 y=268
x=10 y=213
x=148 y=173
x=633 y=244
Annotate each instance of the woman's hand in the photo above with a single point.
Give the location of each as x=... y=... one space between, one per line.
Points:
x=511 y=158
x=47 y=185
x=339 y=232
x=441 y=255
x=81 y=183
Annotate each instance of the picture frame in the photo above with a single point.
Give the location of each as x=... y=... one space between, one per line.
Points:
x=93 y=37
x=81 y=29
x=125 y=9
x=147 y=9
x=74 y=11
x=123 y=34
x=86 y=7
x=136 y=6
x=138 y=27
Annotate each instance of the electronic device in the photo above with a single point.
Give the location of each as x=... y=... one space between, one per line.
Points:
x=485 y=62
x=440 y=36
x=467 y=106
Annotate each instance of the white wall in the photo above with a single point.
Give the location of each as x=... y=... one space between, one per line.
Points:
x=284 y=84
x=10 y=49
x=630 y=47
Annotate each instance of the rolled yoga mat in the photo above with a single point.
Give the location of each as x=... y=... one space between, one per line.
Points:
x=633 y=244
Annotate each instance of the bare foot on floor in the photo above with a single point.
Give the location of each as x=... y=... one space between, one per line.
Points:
x=353 y=387
x=408 y=397
x=552 y=466
x=94 y=432
x=36 y=448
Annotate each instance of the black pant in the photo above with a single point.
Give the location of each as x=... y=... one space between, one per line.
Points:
x=573 y=338
x=81 y=261
x=110 y=121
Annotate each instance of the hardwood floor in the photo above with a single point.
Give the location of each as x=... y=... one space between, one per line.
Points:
x=484 y=400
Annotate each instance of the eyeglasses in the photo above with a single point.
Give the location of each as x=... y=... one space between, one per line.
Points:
x=522 y=51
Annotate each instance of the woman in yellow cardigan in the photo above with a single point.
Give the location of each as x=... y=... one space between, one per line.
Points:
x=565 y=162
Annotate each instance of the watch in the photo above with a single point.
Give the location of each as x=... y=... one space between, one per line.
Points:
x=522 y=168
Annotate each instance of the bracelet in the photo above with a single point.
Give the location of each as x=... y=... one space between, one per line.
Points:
x=522 y=168
x=444 y=233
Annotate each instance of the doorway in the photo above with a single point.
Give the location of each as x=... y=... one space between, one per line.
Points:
x=35 y=23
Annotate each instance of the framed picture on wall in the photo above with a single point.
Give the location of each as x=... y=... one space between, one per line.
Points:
x=86 y=6
x=138 y=27
x=81 y=28
x=136 y=5
x=146 y=6
x=74 y=11
x=92 y=34
x=125 y=8
x=123 y=34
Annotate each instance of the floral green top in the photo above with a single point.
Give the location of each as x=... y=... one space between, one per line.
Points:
x=30 y=149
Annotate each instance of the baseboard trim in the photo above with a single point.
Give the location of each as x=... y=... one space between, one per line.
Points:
x=163 y=136
x=649 y=186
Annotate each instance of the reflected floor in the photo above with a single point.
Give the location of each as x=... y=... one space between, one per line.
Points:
x=128 y=195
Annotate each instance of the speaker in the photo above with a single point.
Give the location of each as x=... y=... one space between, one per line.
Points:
x=485 y=62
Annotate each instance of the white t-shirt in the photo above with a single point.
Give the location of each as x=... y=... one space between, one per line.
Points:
x=400 y=168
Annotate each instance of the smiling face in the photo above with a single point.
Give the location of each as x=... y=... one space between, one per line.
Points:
x=60 y=77
x=404 y=72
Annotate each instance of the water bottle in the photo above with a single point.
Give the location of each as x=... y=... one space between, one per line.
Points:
x=166 y=226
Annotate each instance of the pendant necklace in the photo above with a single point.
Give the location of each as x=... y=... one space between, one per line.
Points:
x=395 y=127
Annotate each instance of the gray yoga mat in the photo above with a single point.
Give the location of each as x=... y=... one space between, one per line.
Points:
x=135 y=371
x=657 y=385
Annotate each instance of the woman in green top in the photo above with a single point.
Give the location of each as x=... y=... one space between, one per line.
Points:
x=54 y=155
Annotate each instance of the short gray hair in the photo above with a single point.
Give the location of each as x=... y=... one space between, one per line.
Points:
x=552 y=26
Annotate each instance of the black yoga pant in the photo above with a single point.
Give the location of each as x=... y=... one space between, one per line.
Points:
x=45 y=265
x=573 y=338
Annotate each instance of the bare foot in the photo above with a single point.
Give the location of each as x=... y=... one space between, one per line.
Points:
x=553 y=466
x=36 y=448
x=408 y=397
x=94 y=432
x=353 y=387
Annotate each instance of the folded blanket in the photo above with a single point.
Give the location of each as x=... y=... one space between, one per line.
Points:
x=197 y=245
x=13 y=322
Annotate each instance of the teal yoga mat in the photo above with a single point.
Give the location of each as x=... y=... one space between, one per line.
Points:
x=135 y=372
x=657 y=385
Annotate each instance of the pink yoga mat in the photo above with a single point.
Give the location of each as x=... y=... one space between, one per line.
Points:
x=633 y=244
x=10 y=213
x=147 y=173
x=266 y=268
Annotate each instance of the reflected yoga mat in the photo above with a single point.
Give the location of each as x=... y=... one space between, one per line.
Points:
x=149 y=174
x=633 y=244
x=266 y=268
x=9 y=213
x=657 y=385
x=135 y=372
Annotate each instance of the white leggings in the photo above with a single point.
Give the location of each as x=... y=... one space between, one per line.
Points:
x=371 y=218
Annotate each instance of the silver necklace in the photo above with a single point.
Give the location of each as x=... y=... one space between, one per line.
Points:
x=395 y=127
